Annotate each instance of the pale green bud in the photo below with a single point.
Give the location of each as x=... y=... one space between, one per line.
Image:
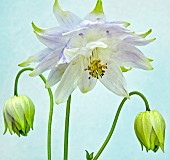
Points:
x=150 y=130
x=19 y=115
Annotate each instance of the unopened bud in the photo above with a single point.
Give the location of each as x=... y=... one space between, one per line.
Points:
x=150 y=130
x=18 y=115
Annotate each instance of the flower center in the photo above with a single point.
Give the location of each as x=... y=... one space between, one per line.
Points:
x=96 y=69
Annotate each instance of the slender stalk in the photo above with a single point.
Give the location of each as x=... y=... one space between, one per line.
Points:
x=66 y=134
x=116 y=119
x=51 y=106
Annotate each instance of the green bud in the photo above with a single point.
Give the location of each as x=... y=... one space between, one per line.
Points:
x=150 y=130
x=18 y=115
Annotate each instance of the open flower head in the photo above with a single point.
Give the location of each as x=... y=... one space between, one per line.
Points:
x=80 y=52
x=18 y=115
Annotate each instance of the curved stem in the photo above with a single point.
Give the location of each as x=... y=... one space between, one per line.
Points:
x=67 y=128
x=116 y=118
x=51 y=106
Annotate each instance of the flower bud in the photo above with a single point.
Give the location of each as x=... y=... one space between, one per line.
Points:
x=18 y=115
x=150 y=130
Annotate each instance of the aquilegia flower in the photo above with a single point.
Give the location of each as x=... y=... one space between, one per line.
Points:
x=80 y=52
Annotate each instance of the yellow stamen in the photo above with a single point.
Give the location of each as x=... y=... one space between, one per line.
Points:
x=96 y=69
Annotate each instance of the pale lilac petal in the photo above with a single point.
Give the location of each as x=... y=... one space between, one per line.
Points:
x=129 y=56
x=62 y=58
x=52 y=42
x=72 y=49
x=74 y=31
x=68 y=81
x=56 y=74
x=47 y=63
x=114 y=80
x=117 y=32
x=101 y=29
x=65 y=19
x=137 y=40
x=55 y=31
x=38 y=57
x=95 y=17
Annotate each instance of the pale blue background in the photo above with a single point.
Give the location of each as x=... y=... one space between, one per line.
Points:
x=91 y=114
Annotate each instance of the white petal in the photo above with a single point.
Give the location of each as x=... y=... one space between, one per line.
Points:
x=66 y=19
x=129 y=56
x=122 y=23
x=86 y=82
x=47 y=63
x=52 y=42
x=114 y=81
x=96 y=44
x=77 y=46
x=36 y=57
x=68 y=82
x=70 y=53
x=56 y=74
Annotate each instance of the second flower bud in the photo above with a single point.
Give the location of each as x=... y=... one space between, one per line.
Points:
x=19 y=115
x=150 y=130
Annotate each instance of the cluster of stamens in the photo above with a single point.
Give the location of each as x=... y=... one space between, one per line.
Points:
x=96 y=69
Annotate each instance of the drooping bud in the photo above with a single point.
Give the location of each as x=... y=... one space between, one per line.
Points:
x=18 y=115
x=150 y=130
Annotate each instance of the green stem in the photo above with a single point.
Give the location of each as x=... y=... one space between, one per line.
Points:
x=51 y=106
x=67 y=128
x=116 y=118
